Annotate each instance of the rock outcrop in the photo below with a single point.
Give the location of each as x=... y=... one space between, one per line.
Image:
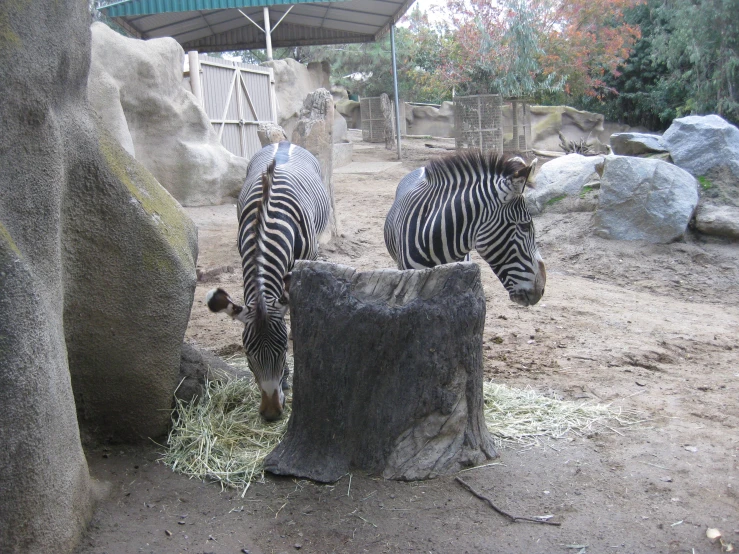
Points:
x=136 y=88
x=643 y=199
x=45 y=490
x=708 y=148
x=567 y=184
x=637 y=144
x=129 y=253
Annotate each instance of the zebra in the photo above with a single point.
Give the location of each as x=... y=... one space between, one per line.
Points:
x=282 y=209
x=469 y=201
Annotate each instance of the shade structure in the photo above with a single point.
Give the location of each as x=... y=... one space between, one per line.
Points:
x=227 y=25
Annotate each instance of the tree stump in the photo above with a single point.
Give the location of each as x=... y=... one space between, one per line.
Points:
x=388 y=373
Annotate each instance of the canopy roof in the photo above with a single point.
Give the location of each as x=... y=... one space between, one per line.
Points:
x=221 y=25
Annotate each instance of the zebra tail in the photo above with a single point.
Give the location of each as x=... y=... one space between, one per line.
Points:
x=268 y=178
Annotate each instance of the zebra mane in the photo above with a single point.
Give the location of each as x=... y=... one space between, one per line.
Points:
x=261 y=307
x=475 y=161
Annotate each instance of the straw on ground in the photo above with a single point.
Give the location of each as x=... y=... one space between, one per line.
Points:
x=223 y=438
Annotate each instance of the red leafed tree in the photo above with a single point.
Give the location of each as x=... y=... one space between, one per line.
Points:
x=586 y=38
x=525 y=47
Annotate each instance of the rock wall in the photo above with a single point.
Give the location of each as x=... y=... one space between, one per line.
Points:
x=546 y=123
x=429 y=120
x=97 y=272
x=136 y=88
x=45 y=499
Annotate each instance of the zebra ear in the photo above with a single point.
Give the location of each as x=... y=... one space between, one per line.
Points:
x=523 y=177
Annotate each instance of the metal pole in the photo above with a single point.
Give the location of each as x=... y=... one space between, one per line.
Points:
x=395 y=87
x=267 y=33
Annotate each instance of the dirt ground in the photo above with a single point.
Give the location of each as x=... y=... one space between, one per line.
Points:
x=651 y=328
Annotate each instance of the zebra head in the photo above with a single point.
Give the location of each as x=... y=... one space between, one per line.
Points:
x=265 y=343
x=509 y=245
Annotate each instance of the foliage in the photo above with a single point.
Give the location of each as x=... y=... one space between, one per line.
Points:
x=539 y=48
x=687 y=62
x=699 y=45
x=364 y=68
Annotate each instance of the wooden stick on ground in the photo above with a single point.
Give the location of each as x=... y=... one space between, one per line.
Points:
x=501 y=512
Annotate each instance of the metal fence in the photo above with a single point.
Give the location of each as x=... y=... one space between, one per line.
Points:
x=236 y=97
x=373 y=120
x=490 y=122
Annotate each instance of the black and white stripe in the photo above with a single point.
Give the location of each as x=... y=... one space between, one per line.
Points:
x=283 y=208
x=464 y=202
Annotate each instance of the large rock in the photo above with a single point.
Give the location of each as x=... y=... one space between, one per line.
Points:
x=566 y=184
x=643 y=199
x=45 y=500
x=130 y=253
x=547 y=122
x=721 y=221
x=136 y=88
x=707 y=147
x=351 y=111
x=314 y=132
x=636 y=144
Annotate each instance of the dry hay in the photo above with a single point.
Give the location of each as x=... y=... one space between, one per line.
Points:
x=525 y=416
x=223 y=438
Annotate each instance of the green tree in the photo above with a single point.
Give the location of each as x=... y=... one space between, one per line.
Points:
x=699 y=45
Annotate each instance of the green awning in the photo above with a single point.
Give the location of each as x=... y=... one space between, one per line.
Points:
x=221 y=25
x=128 y=8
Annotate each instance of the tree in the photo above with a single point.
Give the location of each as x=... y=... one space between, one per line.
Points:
x=537 y=47
x=699 y=45
x=685 y=62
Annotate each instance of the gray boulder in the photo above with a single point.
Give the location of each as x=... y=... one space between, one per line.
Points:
x=270 y=133
x=136 y=88
x=567 y=184
x=636 y=144
x=707 y=147
x=129 y=253
x=722 y=221
x=643 y=199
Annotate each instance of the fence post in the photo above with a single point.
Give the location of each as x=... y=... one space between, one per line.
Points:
x=195 y=84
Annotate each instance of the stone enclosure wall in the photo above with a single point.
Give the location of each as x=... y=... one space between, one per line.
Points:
x=97 y=274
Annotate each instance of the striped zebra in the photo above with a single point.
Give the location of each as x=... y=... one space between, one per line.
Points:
x=283 y=208
x=463 y=202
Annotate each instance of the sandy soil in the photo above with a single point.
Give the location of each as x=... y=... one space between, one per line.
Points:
x=647 y=327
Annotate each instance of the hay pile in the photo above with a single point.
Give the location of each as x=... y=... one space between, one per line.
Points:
x=223 y=437
x=525 y=416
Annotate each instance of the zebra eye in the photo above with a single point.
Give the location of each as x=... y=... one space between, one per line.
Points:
x=525 y=226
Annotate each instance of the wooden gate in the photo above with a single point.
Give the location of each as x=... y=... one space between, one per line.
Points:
x=236 y=97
